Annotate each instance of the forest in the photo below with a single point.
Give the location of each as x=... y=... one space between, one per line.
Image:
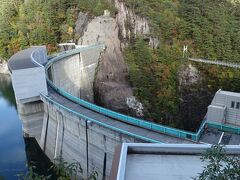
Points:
x=210 y=29
x=34 y=22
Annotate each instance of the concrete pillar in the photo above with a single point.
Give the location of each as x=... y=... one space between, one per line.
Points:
x=59 y=136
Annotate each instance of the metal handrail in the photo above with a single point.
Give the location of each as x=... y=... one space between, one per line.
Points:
x=216 y=62
x=98 y=122
x=127 y=119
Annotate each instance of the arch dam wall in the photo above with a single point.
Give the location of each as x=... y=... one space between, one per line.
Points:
x=55 y=103
x=70 y=136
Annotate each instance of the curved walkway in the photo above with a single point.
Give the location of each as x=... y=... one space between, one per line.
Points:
x=128 y=129
x=28 y=58
x=134 y=127
x=146 y=130
x=138 y=128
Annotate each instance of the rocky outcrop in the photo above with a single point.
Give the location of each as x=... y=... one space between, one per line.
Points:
x=111 y=83
x=3 y=67
x=194 y=96
x=81 y=24
x=112 y=88
x=135 y=105
x=132 y=25
x=154 y=43
x=188 y=75
x=129 y=23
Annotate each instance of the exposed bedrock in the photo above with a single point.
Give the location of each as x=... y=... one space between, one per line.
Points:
x=112 y=88
x=3 y=67
x=131 y=25
x=188 y=75
x=111 y=85
x=81 y=24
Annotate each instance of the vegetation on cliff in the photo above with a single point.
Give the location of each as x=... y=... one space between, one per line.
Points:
x=153 y=76
x=210 y=29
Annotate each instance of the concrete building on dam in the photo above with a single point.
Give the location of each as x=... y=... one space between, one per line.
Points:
x=55 y=102
x=163 y=161
x=225 y=108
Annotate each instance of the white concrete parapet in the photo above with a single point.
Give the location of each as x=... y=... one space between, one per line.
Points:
x=28 y=74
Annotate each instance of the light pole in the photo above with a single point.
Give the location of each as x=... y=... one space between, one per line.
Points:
x=185 y=51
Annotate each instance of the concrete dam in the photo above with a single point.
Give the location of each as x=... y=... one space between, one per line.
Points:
x=54 y=97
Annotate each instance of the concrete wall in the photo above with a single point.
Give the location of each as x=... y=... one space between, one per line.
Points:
x=64 y=134
x=66 y=74
x=216 y=113
x=88 y=66
x=75 y=74
x=31 y=115
x=29 y=83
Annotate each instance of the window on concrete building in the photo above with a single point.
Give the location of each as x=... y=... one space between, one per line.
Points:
x=232 y=104
x=238 y=105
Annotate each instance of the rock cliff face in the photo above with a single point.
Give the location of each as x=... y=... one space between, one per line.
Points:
x=3 y=67
x=194 y=96
x=81 y=24
x=112 y=88
x=131 y=25
x=188 y=75
x=111 y=85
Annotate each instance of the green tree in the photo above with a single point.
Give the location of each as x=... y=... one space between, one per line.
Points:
x=60 y=170
x=220 y=165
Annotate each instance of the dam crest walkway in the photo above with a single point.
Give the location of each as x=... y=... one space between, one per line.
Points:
x=137 y=132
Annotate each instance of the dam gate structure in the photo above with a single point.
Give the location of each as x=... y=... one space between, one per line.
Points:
x=54 y=96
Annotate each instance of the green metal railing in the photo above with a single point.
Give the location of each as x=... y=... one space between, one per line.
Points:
x=127 y=119
x=98 y=122
x=223 y=127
